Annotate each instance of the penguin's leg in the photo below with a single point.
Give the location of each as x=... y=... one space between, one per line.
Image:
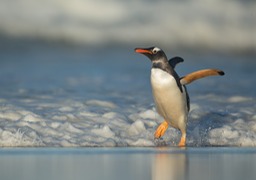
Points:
x=182 y=142
x=161 y=129
x=183 y=129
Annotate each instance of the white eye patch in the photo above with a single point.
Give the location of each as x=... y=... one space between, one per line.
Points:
x=155 y=50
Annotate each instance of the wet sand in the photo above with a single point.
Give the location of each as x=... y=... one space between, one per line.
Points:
x=227 y=163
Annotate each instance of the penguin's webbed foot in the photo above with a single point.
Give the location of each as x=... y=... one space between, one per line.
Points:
x=161 y=129
x=182 y=142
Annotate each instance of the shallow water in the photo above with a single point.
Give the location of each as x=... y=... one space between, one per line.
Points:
x=75 y=96
x=128 y=163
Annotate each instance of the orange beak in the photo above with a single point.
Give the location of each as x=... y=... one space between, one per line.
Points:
x=142 y=51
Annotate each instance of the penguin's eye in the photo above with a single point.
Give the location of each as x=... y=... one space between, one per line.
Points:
x=154 y=51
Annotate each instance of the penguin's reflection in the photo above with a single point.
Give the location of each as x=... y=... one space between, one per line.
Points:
x=168 y=166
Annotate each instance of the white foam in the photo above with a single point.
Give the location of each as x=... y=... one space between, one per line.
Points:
x=136 y=128
x=66 y=109
x=141 y=142
x=148 y=114
x=101 y=103
x=18 y=138
x=9 y=115
x=32 y=118
x=237 y=133
x=237 y=99
x=70 y=123
x=104 y=132
x=113 y=115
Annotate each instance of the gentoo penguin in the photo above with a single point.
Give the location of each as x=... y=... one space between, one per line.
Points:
x=169 y=91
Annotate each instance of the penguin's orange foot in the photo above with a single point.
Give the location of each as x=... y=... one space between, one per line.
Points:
x=182 y=142
x=161 y=129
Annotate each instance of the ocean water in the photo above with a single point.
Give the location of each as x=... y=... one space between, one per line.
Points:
x=65 y=96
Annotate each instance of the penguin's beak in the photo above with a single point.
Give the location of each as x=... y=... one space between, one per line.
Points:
x=142 y=51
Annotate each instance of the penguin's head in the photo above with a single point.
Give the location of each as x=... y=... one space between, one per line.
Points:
x=153 y=53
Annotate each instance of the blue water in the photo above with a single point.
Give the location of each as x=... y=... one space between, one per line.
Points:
x=55 y=95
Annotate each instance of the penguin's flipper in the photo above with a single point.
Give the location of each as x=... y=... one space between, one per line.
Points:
x=175 y=60
x=200 y=74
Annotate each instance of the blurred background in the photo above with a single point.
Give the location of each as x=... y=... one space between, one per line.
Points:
x=194 y=25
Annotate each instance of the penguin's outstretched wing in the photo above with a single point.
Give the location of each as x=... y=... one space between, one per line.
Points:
x=200 y=74
x=175 y=60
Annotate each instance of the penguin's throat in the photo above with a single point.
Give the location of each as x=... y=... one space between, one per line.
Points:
x=162 y=65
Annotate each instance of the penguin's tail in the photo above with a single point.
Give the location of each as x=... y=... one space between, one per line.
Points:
x=189 y=78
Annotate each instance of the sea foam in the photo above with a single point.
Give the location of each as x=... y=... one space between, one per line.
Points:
x=74 y=124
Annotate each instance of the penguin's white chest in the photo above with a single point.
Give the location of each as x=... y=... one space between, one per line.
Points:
x=170 y=101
